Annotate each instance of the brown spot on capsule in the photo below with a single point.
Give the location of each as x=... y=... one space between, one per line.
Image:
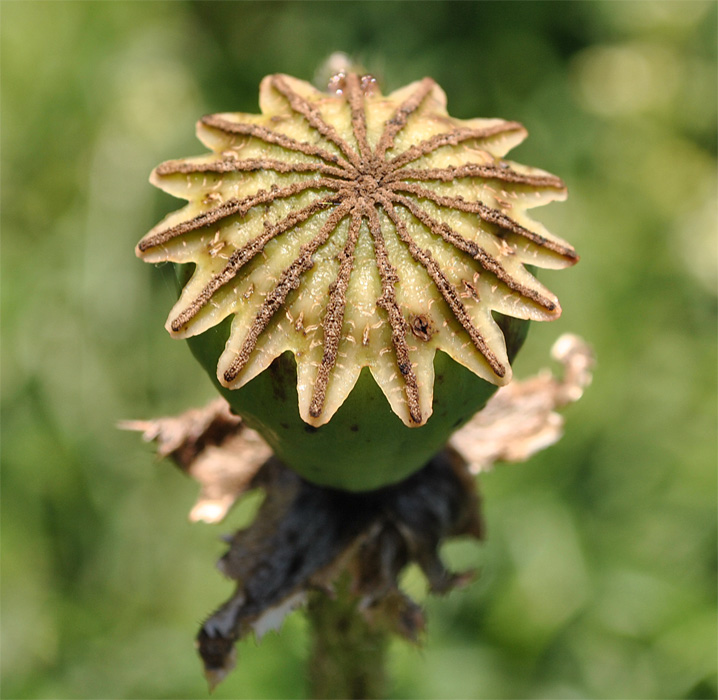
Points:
x=422 y=327
x=471 y=290
x=212 y=198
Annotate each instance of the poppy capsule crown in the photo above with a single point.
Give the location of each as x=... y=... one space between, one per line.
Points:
x=356 y=230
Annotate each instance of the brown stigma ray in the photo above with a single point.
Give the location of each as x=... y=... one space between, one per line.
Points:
x=232 y=207
x=314 y=119
x=388 y=302
x=355 y=97
x=243 y=255
x=487 y=261
x=232 y=165
x=451 y=138
x=339 y=174
x=401 y=116
x=289 y=280
x=271 y=137
x=487 y=214
x=485 y=172
x=334 y=317
x=446 y=289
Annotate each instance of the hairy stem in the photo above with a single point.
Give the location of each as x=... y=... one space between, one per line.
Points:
x=348 y=656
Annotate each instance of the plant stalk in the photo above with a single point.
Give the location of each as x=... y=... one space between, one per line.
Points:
x=348 y=656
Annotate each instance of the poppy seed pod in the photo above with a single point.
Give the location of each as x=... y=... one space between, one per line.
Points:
x=356 y=269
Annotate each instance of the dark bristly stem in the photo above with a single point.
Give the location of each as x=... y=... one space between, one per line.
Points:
x=348 y=656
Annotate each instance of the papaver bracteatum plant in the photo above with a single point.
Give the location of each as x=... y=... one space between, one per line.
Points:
x=356 y=269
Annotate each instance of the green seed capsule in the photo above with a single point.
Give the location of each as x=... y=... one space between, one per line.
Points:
x=337 y=242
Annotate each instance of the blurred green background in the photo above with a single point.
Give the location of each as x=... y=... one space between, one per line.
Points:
x=598 y=579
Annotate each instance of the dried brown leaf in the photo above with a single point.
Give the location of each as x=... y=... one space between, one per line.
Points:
x=214 y=447
x=521 y=418
x=306 y=537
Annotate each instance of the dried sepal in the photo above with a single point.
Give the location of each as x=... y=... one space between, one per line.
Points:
x=522 y=418
x=357 y=230
x=212 y=446
x=307 y=540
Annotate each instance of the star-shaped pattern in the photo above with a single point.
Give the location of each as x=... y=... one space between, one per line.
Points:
x=357 y=230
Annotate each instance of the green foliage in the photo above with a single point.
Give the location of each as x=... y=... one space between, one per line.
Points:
x=598 y=577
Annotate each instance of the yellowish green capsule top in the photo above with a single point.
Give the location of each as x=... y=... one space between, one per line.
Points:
x=359 y=233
